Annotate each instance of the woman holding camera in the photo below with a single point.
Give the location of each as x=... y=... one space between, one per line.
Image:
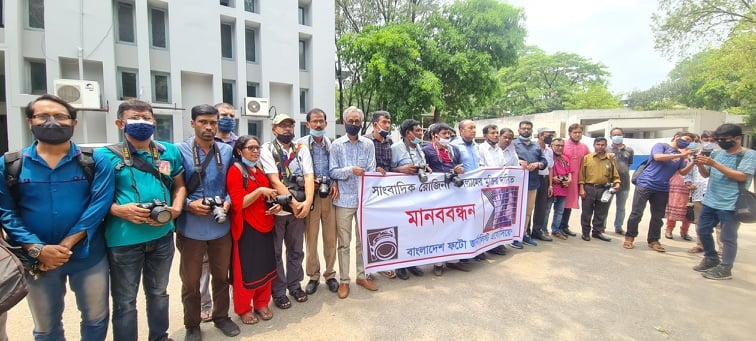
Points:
x=253 y=263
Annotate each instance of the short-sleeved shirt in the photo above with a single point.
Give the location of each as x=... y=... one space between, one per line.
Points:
x=657 y=174
x=121 y=232
x=318 y=153
x=401 y=155
x=548 y=154
x=723 y=191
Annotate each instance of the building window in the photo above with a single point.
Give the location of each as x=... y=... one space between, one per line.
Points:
x=252 y=89
x=125 y=22
x=303 y=55
x=304 y=15
x=37 y=77
x=2 y=88
x=128 y=84
x=36 y=12
x=164 y=128
x=253 y=128
x=303 y=94
x=228 y=92
x=161 y=88
x=2 y=20
x=227 y=3
x=249 y=44
x=158 y=28
x=303 y=130
x=227 y=41
x=250 y=6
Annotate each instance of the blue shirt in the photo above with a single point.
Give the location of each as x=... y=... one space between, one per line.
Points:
x=531 y=153
x=401 y=155
x=468 y=153
x=319 y=154
x=344 y=155
x=121 y=232
x=657 y=174
x=57 y=203
x=723 y=191
x=213 y=184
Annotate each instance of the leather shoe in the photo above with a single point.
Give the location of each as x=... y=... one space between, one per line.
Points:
x=416 y=271
x=542 y=236
x=458 y=266
x=402 y=273
x=343 y=290
x=333 y=285
x=193 y=334
x=499 y=250
x=312 y=286
x=228 y=327
x=367 y=284
x=620 y=232
x=585 y=237
x=601 y=236
x=569 y=233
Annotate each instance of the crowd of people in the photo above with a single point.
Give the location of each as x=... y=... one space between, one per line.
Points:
x=231 y=203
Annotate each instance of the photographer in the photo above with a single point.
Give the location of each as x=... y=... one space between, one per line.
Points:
x=322 y=215
x=140 y=248
x=407 y=157
x=205 y=228
x=289 y=169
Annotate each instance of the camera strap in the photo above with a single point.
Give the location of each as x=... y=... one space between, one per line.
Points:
x=245 y=173
x=197 y=179
x=327 y=148
x=417 y=150
x=124 y=152
x=283 y=167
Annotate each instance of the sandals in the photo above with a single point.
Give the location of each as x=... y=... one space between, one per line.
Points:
x=696 y=249
x=249 y=318
x=628 y=244
x=282 y=302
x=299 y=295
x=264 y=313
x=388 y=274
x=206 y=315
x=657 y=247
x=668 y=235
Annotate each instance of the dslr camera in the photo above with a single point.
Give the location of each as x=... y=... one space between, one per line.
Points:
x=421 y=173
x=324 y=187
x=216 y=203
x=282 y=199
x=452 y=177
x=158 y=210
x=296 y=181
x=563 y=180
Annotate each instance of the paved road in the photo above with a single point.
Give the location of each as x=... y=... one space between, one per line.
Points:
x=565 y=290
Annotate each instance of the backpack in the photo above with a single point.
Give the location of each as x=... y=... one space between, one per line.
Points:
x=13 y=285
x=639 y=170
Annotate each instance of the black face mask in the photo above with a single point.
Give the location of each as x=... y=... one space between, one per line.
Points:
x=726 y=144
x=51 y=132
x=547 y=140
x=285 y=138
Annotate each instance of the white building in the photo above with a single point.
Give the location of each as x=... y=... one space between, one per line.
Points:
x=174 y=54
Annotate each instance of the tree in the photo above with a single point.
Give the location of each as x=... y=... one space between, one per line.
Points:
x=542 y=83
x=685 y=26
x=664 y=96
x=597 y=96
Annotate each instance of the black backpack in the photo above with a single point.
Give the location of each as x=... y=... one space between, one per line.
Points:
x=639 y=170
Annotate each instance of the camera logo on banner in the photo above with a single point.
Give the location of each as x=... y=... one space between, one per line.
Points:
x=382 y=244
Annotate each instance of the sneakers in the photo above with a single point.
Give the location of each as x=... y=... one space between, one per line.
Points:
x=517 y=244
x=706 y=264
x=529 y=241
x=718 y=272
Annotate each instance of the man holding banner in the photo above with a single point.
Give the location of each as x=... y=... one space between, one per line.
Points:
x=531 y=153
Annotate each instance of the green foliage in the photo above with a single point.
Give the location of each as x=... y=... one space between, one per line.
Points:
x=597 y=96
x=665 y=96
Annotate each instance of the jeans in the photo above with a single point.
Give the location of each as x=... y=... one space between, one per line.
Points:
x=46 y=301
x=620 y=201
x=565 y=223
x=150 y=262
x=658 y=202
x=709 y=218
x=558 y=205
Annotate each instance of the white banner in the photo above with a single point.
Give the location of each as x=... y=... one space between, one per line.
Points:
x=405 y=222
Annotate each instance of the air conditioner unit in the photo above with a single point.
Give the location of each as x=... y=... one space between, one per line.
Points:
x=254 y=106
x=78 y=93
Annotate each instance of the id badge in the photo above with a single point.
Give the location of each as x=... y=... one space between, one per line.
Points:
x=165 y=167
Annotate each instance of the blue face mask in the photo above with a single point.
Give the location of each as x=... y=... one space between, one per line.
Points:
x=139 y=130
x=248 y=163
x=693 y=145
x=226 y=124
x=524 y=138
x=383 y=133
x=682 y=143
x=317 y=133
x=352 y=129
x=617 y=139
x=417 y=140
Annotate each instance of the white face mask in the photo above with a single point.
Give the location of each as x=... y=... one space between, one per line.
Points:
x=444 y=142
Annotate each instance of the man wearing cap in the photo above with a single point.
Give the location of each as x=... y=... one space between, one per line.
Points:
x=289 y=169
x=540 y=230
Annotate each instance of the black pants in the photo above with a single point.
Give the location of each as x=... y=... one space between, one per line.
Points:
x=541 y=204
x=593 y=208
x=658 y=201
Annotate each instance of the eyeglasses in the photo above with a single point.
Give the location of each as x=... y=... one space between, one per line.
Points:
x=252 y=148
x=285 y=126
x=57 y=117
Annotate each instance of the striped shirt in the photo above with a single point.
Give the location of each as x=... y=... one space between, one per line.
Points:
x=346 y=154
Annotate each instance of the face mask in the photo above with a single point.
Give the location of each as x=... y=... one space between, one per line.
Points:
x=139 y=130
x=285 y=138
x=317 y=133
x=226 y=124
x=417 y=140
x=444 y=142
x=617 y=139
x=726 y=145
x=708 y=146
x=353 y=130
x=693 y=145
x=383 y=133
x=547 y=140
x=682 y=143
x=524 y=138
x=248 y=163
x=51 y=132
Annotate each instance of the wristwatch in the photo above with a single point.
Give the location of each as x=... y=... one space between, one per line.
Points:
x=35 y=250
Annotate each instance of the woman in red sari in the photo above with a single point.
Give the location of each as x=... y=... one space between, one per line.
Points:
x=253 y=265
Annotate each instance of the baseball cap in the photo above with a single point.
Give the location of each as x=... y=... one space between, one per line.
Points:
x=545 y=130
x=282 y=117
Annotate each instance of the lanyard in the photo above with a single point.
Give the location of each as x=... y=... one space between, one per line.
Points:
x=128 y=161
x=200 y=168
x=279 y=155
x=410 y=154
